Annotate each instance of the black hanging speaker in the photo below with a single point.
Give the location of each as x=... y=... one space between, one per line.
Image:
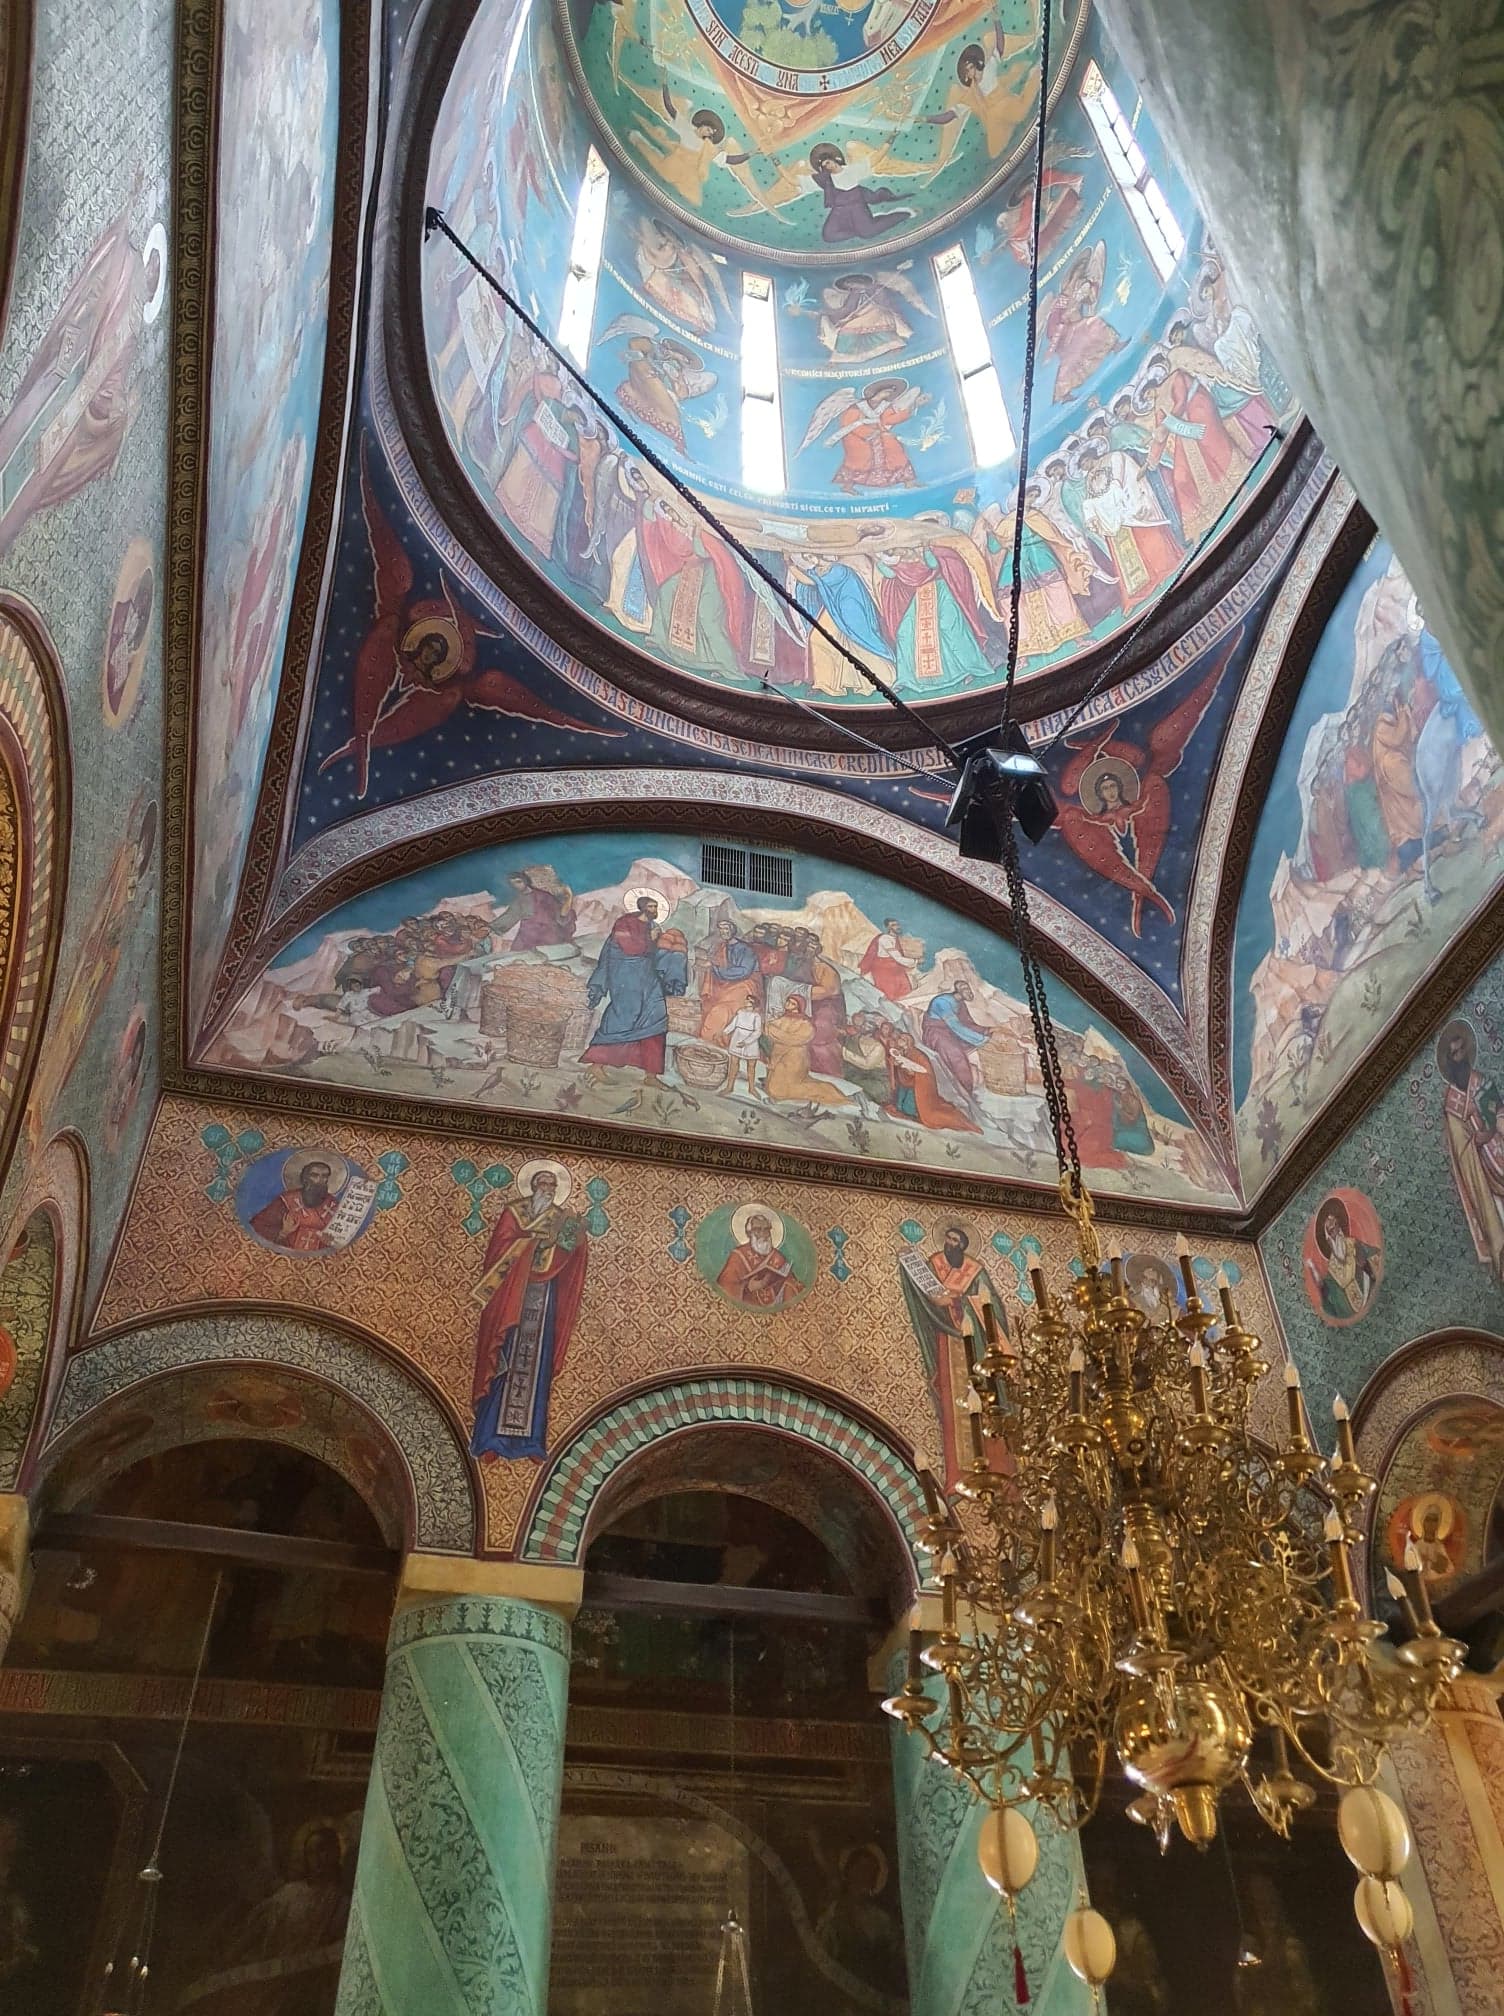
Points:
x=1000 y=777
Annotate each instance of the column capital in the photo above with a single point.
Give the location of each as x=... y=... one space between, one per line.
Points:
x=428 y=1578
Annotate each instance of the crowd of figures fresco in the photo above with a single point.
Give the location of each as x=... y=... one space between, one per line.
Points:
x=1158 y=403
x=604 y=978
x=1383 y=833
x=271 y=287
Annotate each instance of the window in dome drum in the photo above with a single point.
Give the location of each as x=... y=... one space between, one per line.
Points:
x=1157 y=223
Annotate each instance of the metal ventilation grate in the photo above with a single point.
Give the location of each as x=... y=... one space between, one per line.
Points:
x=761 y=874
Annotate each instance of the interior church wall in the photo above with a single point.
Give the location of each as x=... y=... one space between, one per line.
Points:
x=483 y=979
x=280 y=91
x=1380 y=839
x=83 y=451
x=1349 y=158
x=654 y=1269
x=1420 y=1183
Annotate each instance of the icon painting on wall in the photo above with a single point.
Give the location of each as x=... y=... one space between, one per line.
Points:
x=529 y=1294
x=760 y=1259
x=1344 y=1258
x=1472 y=1110
x=309 y=1202
x=602 y=978
x=946 y=1290
x=1436 y=1525
x=128 y=634
x=1379 y=839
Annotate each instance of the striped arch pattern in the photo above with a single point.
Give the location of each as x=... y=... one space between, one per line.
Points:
x=556 y=1530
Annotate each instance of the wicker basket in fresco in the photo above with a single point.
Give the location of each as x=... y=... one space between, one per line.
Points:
x=539 y=1003
x=683 y=1015
x=1005 y=1069
x=701 y=1066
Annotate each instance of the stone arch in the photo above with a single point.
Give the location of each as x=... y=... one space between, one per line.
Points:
x=15 y=94
x=277 y=1378
x=42 y=1263
x=590 y=1477
x=1412 y=1389
x=35 y=776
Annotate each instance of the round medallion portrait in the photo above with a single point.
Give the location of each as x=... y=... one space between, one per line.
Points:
x=128 y=634
x=309 y=1202
x=760 y=1259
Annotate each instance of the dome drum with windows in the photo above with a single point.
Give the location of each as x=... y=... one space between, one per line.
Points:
x=799 y=251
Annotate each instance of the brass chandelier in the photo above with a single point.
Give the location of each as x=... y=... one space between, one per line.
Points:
x=1126 y=1569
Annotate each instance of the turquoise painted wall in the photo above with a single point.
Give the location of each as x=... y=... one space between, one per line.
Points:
x=1397 y=1157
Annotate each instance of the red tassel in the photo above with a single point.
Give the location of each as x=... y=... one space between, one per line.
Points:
x=1020 y=1978
x=1405 y=1980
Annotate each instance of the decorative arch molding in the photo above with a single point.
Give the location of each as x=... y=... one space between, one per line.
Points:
x=35 y=824
x=397 y=1406
x=15 y=100
x=556 y=1525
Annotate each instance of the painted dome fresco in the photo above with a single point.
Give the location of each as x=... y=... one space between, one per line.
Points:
x=789 y=244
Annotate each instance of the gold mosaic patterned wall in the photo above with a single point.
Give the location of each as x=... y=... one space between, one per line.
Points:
x=652 y=1272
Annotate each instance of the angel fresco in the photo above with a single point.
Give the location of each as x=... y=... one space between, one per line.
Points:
x=1121 y=820
x=417 y=664
x=861 y=316
x=850 y=215
x=662 y=376
x=865 y=424
x=993 y=87
x=1075 y=335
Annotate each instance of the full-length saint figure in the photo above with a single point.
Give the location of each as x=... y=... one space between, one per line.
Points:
x=638 y=969
x=530 y=1296
x=945 y=1293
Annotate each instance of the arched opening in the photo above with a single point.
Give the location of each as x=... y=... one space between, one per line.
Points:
x=725 y=1752
x=1431 y=1431
x=194 y=1680
x=28 y=1291
x=34 y=835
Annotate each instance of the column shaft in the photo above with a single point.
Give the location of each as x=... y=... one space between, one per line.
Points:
x=453 y=1889
x=1452 y=1782
x=956 y=1928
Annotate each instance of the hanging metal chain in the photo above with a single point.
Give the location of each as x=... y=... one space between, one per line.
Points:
x=1031 y=339
x=1067 y=1154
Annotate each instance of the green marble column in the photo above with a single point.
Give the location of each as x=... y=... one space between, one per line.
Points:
x=955 y=1926
x=454 y=1884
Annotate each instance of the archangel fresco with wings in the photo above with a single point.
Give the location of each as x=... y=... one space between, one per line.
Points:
x=1123 y=806
x=417 y=665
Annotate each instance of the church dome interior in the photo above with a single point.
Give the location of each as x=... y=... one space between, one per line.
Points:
x=752 y=970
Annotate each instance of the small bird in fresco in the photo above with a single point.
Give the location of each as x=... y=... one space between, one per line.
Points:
x=417 y=665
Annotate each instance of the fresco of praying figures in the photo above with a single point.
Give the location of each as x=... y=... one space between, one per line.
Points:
x=598 y=976
x=1158 y=397
x=1382 y=834
x=276 y=172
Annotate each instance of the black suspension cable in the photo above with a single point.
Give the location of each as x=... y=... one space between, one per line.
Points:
x=435 y=220
x=1031 y=338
